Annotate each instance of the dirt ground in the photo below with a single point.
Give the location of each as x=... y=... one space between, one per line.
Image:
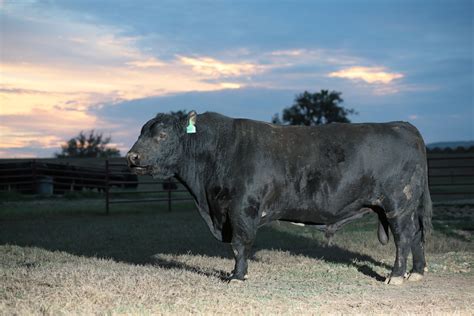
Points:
x=155 y=262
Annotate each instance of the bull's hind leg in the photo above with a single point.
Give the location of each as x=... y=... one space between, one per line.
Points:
x=403 y=232
x=244 y=231
x=418 y=252
x=242 y=251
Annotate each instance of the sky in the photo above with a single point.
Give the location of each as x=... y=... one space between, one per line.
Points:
x=68 y=66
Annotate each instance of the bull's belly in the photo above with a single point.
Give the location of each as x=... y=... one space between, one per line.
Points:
x=309 y=216
x=309 y=211
x=312 y=216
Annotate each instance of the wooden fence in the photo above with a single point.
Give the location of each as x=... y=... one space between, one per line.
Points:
x=111 y=178
x=160 y=191
x=451 y=177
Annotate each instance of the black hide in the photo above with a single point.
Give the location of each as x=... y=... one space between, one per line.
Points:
x=244 y=174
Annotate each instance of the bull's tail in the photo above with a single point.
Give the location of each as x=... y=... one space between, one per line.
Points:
x=382 y=230
x=425 y=211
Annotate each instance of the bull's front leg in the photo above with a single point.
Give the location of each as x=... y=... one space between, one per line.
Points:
x=242 y=252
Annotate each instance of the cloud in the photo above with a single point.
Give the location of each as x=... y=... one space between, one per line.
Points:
x=315 y=56
x=230 y=85
x=214 y=68
x=289 y=52
x=43 y=127
x=44 y=53
x=371 y=75
x=146 y=63
x=6 y=90
x=56 y=70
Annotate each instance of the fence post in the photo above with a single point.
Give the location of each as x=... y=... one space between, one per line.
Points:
x=107 y=197
x=34 y=175
x=169 y=194
x=428 y=171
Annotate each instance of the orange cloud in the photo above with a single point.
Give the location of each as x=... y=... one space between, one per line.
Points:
x=44 y=128
x=231 y=85
x=370 y=75
x=45 y=97
x=27 y=86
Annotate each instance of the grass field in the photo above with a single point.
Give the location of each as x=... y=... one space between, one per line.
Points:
x=63 y=256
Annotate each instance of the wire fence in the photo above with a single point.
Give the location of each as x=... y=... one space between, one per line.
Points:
x=451 y=177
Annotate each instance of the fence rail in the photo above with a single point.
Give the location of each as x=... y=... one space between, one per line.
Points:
x=451 y=176
x=169 y=187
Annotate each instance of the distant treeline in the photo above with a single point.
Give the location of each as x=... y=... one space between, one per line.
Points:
x=459 y=149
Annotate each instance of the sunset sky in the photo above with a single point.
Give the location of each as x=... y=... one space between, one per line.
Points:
x=67 y=66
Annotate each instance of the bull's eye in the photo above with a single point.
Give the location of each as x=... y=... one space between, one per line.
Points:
x=161 y=136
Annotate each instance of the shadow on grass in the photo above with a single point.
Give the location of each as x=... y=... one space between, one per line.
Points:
x=174 y=264
x=300 y=245
x=459 y=229
x=138 y=238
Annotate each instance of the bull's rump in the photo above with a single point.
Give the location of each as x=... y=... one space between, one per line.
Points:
x=315 y=174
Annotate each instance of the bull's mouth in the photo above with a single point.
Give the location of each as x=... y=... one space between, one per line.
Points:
x=140 y=170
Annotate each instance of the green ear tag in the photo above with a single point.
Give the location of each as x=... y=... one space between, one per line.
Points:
x=190 y=129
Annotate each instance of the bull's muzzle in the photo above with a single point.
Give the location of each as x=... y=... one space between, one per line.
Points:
x=135 y=165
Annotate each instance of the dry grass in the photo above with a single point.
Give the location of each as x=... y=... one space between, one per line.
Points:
x=54 y=261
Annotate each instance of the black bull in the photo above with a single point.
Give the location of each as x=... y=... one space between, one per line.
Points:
x=244 y=174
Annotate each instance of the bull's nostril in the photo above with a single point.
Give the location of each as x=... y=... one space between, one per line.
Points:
x=133 y=157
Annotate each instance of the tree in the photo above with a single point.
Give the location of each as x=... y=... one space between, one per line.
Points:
x=315 y=109
x=91 y=145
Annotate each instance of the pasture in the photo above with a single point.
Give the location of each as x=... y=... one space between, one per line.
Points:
x=64 y=256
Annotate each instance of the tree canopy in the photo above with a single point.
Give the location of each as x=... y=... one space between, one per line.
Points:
x=88 y=145
x=314 y=109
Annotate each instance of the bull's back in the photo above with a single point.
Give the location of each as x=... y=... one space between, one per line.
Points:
x=333 y=145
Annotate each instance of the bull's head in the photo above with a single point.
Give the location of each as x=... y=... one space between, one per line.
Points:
x=158 y=148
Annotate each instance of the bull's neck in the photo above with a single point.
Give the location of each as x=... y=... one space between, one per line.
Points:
x=197 y=161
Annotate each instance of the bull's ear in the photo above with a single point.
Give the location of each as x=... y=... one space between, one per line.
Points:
x=191 y=122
